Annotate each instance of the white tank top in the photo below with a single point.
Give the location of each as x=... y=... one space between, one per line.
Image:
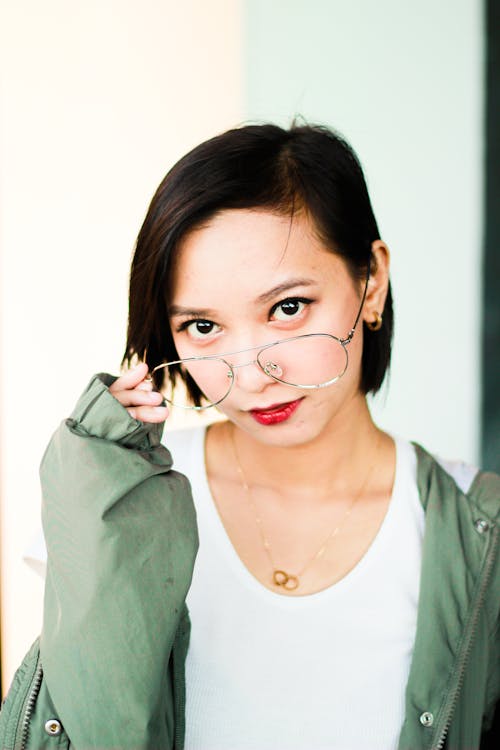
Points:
x=327 y=670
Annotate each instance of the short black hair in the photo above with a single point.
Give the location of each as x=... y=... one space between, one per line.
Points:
x=305 y=167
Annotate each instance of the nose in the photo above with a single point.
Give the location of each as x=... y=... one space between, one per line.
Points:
x=250 y=377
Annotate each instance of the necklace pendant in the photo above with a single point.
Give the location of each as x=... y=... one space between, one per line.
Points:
x=287 y=581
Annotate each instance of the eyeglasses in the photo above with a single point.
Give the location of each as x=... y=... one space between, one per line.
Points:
x=309 y=361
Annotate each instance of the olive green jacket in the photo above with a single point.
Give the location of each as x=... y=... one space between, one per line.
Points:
x=108 y=669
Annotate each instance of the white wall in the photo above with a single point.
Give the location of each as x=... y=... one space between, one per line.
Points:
x=403 y=82
x=98 y=99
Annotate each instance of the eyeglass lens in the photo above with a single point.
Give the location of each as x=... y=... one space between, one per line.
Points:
x=305 y=362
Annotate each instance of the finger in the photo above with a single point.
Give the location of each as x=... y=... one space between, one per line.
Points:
x=130 y=379
x=149 y=413
x=146 y=385
x=138 y=397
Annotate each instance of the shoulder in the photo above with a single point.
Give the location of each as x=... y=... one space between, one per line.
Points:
x=181 y=437
x=461 y=472
x=486 y=492
x=457 y=478
x=186 y=447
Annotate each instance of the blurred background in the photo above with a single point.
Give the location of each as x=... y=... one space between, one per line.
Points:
x=100 y=98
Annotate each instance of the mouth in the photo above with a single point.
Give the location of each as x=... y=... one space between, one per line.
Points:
x=275 y=413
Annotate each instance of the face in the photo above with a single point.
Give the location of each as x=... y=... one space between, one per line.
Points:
x=250 y=278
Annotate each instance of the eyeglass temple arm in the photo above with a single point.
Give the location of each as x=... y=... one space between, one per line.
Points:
x=349 y=336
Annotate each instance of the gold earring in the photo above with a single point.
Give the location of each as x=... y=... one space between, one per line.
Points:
x=375 y=325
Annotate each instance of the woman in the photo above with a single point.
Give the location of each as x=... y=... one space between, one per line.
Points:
x=342 y=594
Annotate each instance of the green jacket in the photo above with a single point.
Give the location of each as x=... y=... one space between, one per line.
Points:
x=108 y=669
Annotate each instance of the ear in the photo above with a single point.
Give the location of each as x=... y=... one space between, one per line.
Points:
x=378 y=283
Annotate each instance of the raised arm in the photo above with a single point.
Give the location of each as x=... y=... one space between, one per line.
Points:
x=121 y=539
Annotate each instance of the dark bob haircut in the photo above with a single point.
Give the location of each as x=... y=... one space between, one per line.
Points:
x=306 y=168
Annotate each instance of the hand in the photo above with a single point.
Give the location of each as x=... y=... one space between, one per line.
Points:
x=138 y=397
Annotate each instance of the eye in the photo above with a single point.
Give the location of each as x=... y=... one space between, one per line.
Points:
x=289 y=308
x=199 y=329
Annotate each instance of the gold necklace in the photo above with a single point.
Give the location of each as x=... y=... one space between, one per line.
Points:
x=280 y=577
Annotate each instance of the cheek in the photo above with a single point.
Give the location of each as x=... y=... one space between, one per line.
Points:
x=212 y=377
x=355 y=352
x=181 y=344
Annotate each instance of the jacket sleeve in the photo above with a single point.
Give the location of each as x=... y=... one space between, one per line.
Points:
x=121 y=540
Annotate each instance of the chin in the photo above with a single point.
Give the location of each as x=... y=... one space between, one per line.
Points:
x=290 y=434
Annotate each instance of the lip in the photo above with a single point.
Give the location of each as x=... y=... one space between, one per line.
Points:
x=276 y=413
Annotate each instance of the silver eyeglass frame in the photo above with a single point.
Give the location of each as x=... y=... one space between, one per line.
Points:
x=268 y=367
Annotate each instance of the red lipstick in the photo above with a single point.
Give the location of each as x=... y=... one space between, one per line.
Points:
x=276 y=413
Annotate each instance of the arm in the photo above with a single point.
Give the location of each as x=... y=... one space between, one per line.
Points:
x=121 y=538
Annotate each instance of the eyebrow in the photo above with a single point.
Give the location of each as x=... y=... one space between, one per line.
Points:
x=284 y=287
x=191 y=312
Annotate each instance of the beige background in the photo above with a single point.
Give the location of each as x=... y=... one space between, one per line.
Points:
x=98 y=99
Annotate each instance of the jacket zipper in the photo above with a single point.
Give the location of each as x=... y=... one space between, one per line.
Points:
x=30 y=705
x=180 y=703
x=453 y=696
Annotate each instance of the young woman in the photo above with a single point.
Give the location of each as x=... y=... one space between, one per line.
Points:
x=342 y=595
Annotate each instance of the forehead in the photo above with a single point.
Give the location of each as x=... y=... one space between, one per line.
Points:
x=249 y=251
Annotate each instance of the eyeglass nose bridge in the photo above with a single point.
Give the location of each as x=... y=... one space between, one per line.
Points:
x=272 y=369
x=242 y=364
